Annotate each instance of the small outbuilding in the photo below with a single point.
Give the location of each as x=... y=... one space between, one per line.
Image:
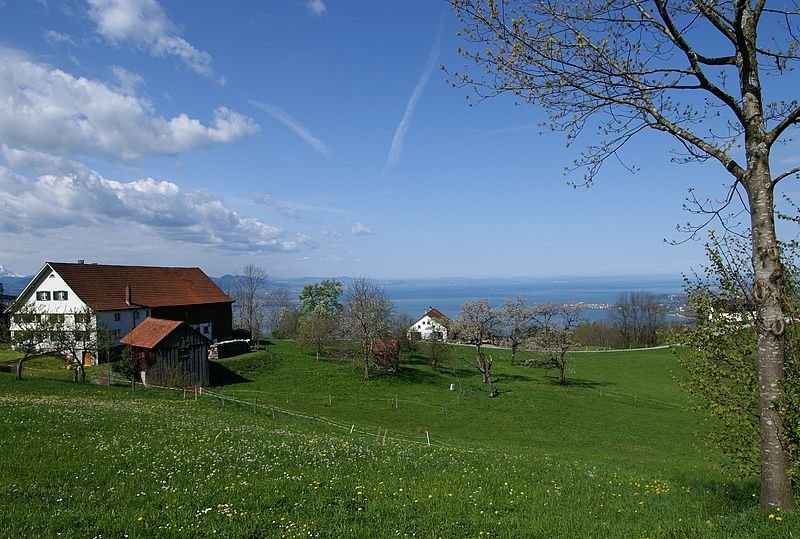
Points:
x=169 y=352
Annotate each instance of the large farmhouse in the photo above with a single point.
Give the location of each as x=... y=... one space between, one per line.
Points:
x=432 y=326
x=119 y=298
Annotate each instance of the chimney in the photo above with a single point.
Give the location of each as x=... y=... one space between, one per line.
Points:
x=128 y=295
x=81 y=261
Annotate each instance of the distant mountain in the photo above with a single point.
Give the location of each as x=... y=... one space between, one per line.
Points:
x=13 y=286
x=6 y=272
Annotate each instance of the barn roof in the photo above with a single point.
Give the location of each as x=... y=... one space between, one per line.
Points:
x=432 y=313
x=435 y=313
x=150 y=332
x=110 y=287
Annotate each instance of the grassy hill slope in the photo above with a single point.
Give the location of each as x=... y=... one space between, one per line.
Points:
x=611 y=455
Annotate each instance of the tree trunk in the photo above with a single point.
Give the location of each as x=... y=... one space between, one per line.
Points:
x=366 y=349
x=19 y=368
x=776 y=486
x=514 y=353
x=490 y=382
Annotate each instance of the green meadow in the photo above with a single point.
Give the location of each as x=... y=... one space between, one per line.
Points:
x=288 y=446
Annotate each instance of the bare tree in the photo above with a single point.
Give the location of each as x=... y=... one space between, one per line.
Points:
x=278 y=302
x=248 y=290
x=70 y=336
x=73 y=336
x=712 y=75
x=638 y=316
x=399 y=329
x=519 y=320
x=478 y=324
x=555 y=335
x=367 y=312
x=30 y=332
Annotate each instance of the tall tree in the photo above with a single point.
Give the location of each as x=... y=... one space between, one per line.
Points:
x=712 y=75
x=366 y=315
x=478 y=323
x=249 y=294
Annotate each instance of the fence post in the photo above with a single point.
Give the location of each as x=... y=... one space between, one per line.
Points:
x=273 y=411
x=184 y=393
x=428 y=436
x=352 y=428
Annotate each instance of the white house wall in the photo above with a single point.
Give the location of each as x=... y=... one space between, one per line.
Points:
x=426 y=326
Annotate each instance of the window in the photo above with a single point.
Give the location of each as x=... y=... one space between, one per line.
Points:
x=205 y=330
x=82 y=318
x=43 y=296
x=146 y=313
x=115 y=333
x=136 y=315
x=117 y=317
x=60 y=295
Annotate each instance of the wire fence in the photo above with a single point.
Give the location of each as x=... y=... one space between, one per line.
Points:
x=263 y=402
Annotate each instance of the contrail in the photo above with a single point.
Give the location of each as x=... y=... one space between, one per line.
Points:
x=283 y=117
x=405 y=122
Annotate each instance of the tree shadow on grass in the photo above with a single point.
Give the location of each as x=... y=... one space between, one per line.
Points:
x=576 y=382
x=408 y=375
x=221 y=375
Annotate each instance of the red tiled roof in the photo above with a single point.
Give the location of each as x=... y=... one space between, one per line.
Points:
x=150 y=332
x=104 y=287
x=435 y=313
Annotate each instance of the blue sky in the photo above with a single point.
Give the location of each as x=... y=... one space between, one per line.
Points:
x=312 y=138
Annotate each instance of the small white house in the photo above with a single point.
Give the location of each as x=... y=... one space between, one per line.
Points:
x=432 y=325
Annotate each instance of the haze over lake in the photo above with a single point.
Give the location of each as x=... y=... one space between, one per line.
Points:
x=447 y=295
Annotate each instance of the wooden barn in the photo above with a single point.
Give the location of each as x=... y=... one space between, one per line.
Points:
x=169 y=352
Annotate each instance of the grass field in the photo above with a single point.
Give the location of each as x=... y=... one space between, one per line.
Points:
x=613 y=454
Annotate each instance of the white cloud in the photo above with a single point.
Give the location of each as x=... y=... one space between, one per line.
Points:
x=145 y=24
x=269 y=202
x=50 y=110
x=293 y=125
x=405 y=122
x=360 y=230
x=57 y=38
x=86 y=200
x=316 y=7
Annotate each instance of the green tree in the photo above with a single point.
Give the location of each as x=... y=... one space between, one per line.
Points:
x=711 y=75
x=318 y=331
x=321 y=298
x=720 y=354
